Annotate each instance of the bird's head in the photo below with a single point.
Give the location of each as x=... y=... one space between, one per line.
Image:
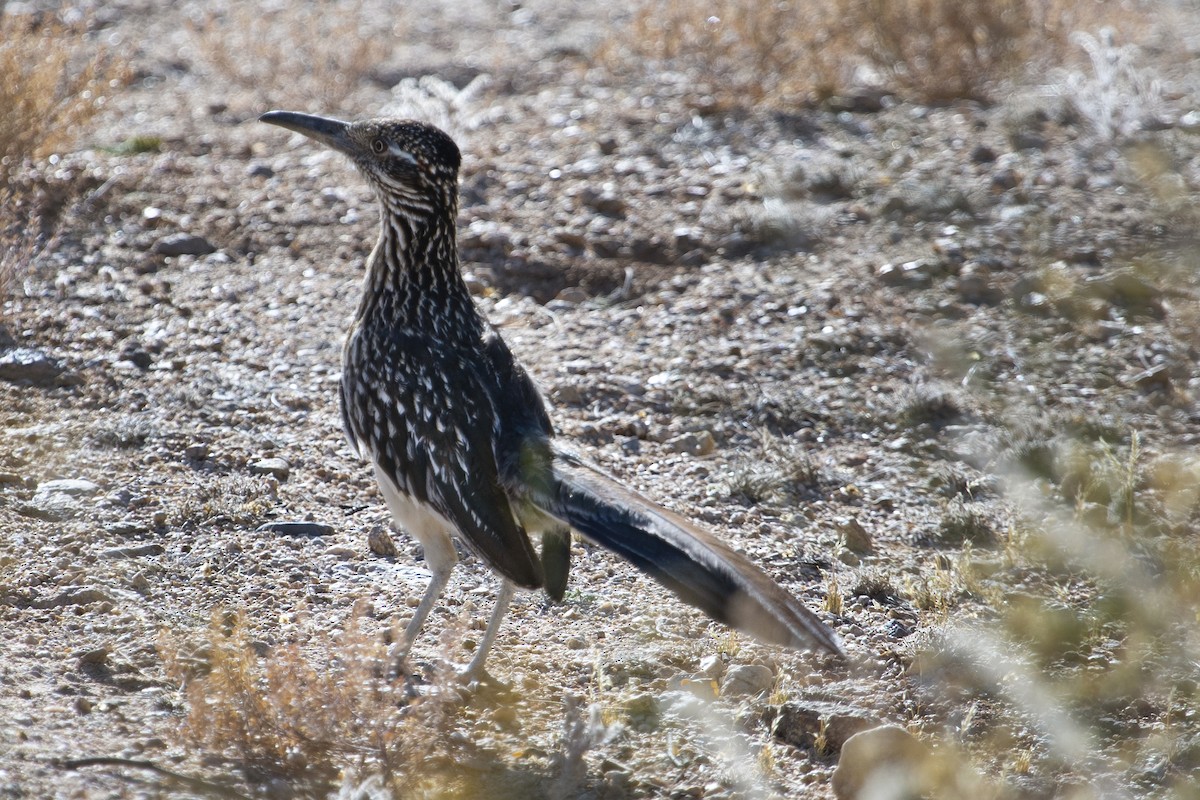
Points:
x=409 y=163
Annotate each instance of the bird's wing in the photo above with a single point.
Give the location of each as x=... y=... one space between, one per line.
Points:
x=524 y=456
x=432 y=426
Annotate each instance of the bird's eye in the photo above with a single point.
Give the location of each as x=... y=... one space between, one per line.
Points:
x=379 y=146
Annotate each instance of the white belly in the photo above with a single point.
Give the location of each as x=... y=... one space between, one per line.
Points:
x=421 y=522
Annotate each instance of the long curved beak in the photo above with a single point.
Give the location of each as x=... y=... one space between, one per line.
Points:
x=326 y=130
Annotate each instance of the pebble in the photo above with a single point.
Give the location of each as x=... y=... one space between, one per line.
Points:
x=800 y=723
x=342 y=552
x=75 y=596
x=379 y=542
x=696 y=444
x=858 y=539
x=94 y=657
x=75 y=487
x=886 y=755
x=285 y=528
x=24 y=365
x=277 y=467
x=644 y=711
x=747 y=679
x=134 y=551
x=196 y=452
x=183 y=244
x=712 y=667
x=975 y=284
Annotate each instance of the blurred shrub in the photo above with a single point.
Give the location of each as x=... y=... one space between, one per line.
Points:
x=52 y=82
x=309 y=58
x=738 y=53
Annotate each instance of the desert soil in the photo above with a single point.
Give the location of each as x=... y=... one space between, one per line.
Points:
x=818 y=333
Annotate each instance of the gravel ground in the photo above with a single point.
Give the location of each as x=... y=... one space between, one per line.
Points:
x=832 y=336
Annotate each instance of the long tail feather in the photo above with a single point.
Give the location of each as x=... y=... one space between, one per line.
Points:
x=695 y=565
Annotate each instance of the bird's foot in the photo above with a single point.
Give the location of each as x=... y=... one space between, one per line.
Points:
x=476 y=678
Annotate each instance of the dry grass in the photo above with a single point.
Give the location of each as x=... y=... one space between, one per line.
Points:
x=741 y=51
x=312 y=715
x=312 y=60
x=227 y=500
x=780 y=53
x=1088 y=665
x=52 y=83
x=939 y=50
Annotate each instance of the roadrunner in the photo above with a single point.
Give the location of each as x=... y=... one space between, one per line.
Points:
x=459 y=435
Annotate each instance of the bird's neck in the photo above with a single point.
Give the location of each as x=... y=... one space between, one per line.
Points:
x=413 y=279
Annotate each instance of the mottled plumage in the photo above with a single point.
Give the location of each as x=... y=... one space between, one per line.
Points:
x=459 y=435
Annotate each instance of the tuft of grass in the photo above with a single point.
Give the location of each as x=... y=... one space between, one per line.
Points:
x=302 y=714
x=964 y=523
x=312 y=61
x=779 y=474
x=833 y=602
x=931 y=407
x=230 y=499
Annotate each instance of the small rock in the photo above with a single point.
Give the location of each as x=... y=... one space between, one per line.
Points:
x=858 y=540
x=379 y=542
x=982 y=154
x=687 y=239
x=605 y=202
x=75 y=596
x=884 y=756
x=277 y=467
x=573 y=295
x=696 y=444
x=95 y=657
x=712 y=667
x=747 y=679
x=342 y=552
x=571 y=238
x=257 y=169
x=24 y=365
x=644 y=711
x=915 y=274
x=1157 y=378
x=75 y=487
x=297 y=528
x=196 y=452
x=83 y=705
x=975 y=283
x=811 y=723
x=134 y=551
x=568 y=394
x=183 y=244
x=137 y=355
x=1005 y=179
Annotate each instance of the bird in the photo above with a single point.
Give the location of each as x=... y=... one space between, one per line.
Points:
x=459 y=435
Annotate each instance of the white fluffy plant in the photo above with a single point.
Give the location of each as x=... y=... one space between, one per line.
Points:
x=1119 y=98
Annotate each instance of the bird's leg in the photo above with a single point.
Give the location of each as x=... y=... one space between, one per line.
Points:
x=437 y=584
x=503 y=597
